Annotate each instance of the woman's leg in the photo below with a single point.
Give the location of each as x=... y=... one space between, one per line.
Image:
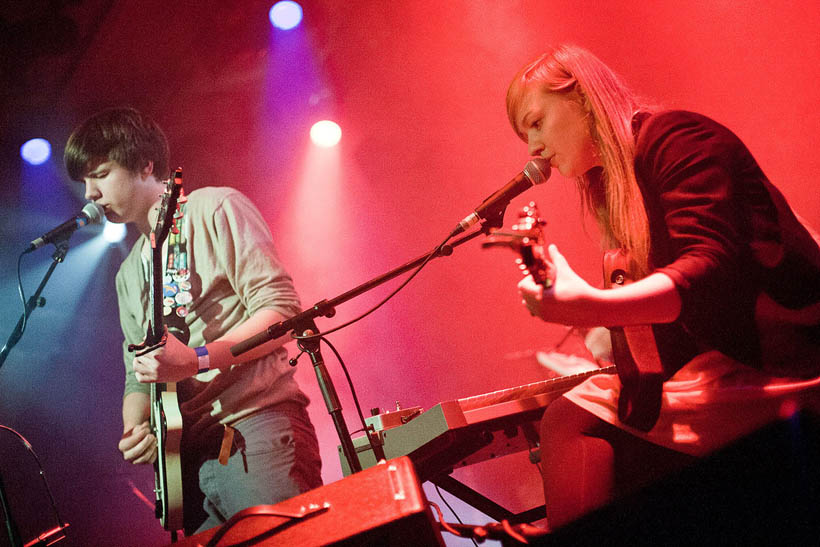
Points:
x=586 y=462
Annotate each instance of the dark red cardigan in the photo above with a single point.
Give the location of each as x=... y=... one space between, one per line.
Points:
x=723 y=233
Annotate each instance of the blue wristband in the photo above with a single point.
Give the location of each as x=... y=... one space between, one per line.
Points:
x=203 y=359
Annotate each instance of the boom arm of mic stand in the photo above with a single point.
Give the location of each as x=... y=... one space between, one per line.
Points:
x=327 y=308
x=321 y=309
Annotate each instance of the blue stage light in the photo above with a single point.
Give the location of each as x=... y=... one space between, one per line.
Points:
x=285 y=15
x=36 y=151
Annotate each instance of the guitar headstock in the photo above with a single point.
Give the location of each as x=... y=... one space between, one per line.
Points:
x=166 y=217
x=526 y=237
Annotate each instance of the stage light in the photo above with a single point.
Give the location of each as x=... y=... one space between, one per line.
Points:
x=285 y=15
x=114 y=232
x=325 y=133
x=36 y=151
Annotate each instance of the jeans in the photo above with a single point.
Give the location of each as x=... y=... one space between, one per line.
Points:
x=275 y=456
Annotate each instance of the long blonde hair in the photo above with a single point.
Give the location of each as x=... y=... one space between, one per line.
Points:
x=617 y=206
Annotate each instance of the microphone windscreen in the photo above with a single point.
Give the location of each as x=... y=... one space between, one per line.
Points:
x=94 y=212
x=537 y=170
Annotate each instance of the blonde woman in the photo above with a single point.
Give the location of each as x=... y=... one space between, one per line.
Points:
x=726 y=276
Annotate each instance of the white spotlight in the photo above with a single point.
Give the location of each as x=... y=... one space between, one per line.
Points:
x=325 y=133
x=113 y=232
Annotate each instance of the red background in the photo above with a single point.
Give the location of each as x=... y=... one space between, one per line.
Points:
x=418 y=89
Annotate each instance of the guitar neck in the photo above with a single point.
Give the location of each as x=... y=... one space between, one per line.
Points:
x=165 y=219
x=156 y=330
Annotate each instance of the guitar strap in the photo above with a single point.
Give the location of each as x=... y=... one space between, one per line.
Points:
x=176 y=281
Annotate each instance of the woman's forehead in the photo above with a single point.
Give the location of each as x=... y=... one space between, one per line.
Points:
x=534 y=101
x=531 y=97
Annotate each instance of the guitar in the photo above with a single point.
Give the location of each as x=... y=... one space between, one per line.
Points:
x=526 y=237
x=634 y=350
x=165 y=418
x=635 y=353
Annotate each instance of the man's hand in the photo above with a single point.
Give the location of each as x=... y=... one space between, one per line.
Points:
x=171 y=362
x=139 y=445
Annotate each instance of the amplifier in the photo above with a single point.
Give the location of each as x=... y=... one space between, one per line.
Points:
x=382 y=505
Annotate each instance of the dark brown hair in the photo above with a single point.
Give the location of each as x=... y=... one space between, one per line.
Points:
x=124 y=135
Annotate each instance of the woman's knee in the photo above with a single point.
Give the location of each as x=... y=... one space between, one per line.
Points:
x=563 y=420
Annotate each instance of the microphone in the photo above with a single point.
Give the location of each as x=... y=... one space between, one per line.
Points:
x=91 y=214
x=536 y=171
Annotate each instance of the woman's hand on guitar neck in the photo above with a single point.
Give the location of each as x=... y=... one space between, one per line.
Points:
x=572 y=301
x=171 y=362
x=566 y=301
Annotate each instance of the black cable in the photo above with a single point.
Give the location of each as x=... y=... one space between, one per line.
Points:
x=349 y=383
x=353 y=393
x=260 y=511
x=60 y=523
x=22 y=293
x=441 y=496
x=443 y=523
x=430 y=256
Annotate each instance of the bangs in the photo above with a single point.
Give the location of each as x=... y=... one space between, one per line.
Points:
x=546 y=72
x=80 y=154
x=515 y=96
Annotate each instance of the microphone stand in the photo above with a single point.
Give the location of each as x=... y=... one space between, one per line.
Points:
x=303 y=323
x=34 y=302
x=11 y=526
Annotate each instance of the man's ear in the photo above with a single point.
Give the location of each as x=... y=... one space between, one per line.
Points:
x=148 y=170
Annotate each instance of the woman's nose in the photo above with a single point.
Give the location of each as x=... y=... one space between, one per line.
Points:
x=535 y=148
x=534 y=144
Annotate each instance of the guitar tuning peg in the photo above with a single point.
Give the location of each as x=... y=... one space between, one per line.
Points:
x=518 y=261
